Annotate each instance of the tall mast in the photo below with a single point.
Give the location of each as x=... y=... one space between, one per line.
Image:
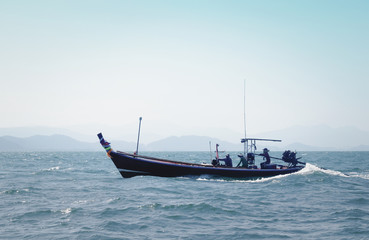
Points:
x=138 y=137
x=244 y=115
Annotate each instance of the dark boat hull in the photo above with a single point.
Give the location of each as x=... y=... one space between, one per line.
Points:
x=131 y=165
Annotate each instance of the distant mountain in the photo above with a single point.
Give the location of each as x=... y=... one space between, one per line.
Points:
x=303 y=147
x=44 y=143
x=8 y=143
x=322 y=137
x=317 y=138
x=25 y=132
x=55 y=143
x=191 y=143
x=65 y=143
x=125 y=146
x=360 y=148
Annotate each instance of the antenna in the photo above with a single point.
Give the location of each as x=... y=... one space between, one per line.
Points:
x=211 y=154
x=138 y=137
x=244 y=113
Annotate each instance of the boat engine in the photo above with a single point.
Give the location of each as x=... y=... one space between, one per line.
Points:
x=290 y=157
x=215 y=162
x=251 y=158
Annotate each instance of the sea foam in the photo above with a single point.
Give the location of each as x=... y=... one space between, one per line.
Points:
x=310 y=168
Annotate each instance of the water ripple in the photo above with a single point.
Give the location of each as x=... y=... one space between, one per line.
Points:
x=82 y=196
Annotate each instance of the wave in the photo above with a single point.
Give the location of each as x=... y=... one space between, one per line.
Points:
x=15 y=191
x=360 y=175
x=257 y=180
x=308 y=169
x=189 y=207
x=46 y=170
x=20 y=190
x=253 y=180
x=53 y=168
x=66 y=211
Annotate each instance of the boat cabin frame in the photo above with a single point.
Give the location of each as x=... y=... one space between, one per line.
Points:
x=250 y=144
x=250 y=147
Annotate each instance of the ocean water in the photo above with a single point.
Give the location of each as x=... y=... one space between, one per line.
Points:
x=81 y=195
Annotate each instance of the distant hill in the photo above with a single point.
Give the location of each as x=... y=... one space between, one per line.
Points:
x=44 y=143
x=318 y=138
x=25 y=132
x=191 y=143
x=322 y=137
x=65 y=143
x=360 y=148
x=55 y=143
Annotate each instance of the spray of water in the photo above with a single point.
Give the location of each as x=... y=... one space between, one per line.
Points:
x=308 y=169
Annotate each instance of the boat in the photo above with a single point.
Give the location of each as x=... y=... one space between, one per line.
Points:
x=130 y=165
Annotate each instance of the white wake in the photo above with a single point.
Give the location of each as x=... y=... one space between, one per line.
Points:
x=308 y=169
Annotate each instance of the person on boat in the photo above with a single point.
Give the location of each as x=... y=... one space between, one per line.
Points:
x=227 y=161
x=243 y=162
x=266 y=157
x=215 y=162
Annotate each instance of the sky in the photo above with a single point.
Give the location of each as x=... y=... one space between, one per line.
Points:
x=183 y=65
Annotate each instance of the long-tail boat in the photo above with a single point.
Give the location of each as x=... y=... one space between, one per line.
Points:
x=130 y=165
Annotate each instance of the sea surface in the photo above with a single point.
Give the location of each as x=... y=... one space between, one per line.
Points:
x=81 y=195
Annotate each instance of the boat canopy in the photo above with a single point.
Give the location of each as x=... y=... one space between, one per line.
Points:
x=250 y=143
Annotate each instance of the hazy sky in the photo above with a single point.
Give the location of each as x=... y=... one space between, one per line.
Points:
x=183 y=64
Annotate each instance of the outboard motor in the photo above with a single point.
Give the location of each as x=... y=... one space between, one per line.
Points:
x=290 y=157
x=251 y=158
x=215 y=162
